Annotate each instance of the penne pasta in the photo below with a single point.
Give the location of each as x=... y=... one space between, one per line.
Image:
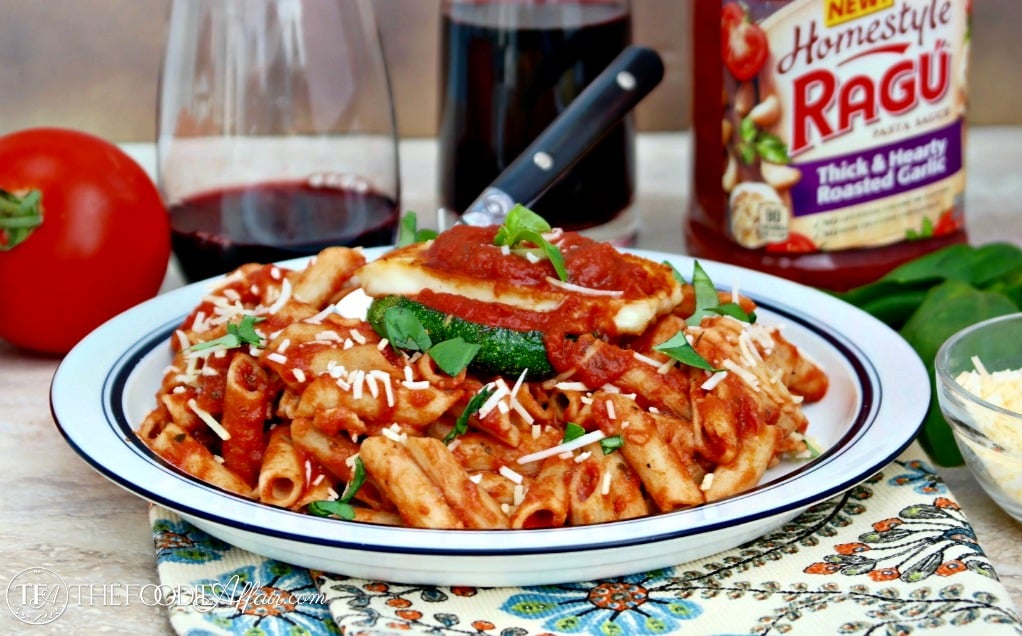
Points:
x=473 y=504
x=246 y=409
x=274 y=396
x=419 y=501
x=282 y=475
x=547 y=500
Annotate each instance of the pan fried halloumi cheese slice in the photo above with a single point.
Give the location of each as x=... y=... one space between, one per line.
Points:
x=620 y=292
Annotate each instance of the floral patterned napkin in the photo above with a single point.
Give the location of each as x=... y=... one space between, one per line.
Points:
x=893 y=555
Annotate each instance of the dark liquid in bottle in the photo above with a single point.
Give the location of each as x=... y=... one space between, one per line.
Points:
x=218 y=231
x=508 y=71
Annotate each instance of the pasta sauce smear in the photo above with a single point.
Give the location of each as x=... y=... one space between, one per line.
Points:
x=661 y=395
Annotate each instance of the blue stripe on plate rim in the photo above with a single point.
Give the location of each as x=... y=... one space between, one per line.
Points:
x=323 y=532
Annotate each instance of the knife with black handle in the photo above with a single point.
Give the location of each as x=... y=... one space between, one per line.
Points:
x=599 y=107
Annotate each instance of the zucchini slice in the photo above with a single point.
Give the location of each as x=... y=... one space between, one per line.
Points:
x=502 y=351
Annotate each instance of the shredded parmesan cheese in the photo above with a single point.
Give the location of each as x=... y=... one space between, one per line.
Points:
x=395 y=433
x=510 y=474
x=285 y=295
x=499 y=392
x=712 y=381
x=645 y=359
x=209 y=420
x=182 y=339
x=587 y=291
x=571 y=386
x=574 y=444
x=746 y=376
x=321 y=316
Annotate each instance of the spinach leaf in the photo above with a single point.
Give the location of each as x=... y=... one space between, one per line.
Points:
x=948 y=307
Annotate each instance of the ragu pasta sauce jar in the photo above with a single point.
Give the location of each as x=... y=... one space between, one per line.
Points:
x=828 y=135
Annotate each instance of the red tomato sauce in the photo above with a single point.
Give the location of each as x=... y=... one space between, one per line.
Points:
x=469 y=251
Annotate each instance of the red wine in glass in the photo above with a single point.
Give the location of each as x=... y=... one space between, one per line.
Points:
x=215 y=232
x=508 y=69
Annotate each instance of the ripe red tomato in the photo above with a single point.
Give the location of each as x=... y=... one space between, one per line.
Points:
x=744 y=44
x=102 y=246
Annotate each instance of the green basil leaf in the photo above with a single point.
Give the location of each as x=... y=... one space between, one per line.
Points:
x=245 y=330
x=405 y=331
x=340 y=509
x=406 y=229
x=678 y=348
x=241 y=333
x=552 y=253
x=735 y=311
x=572 y=431
x=461 y=425
x=358 y=477
x=678 y=276
x=611 y=444
x=706 y=294
x=519 y=219
x=453 y=355
x=524 y=225
x=409 y=233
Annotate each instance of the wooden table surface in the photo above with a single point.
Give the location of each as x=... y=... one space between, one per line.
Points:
x=57 y=513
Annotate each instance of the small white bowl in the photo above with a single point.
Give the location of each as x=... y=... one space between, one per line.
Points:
x=979 y=387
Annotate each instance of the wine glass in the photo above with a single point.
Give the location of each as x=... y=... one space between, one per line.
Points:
x=276 y=131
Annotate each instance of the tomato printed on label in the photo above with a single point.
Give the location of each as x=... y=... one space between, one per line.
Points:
x=947 y=223
x=795 y=244
x=731 y=15
x=744 y=43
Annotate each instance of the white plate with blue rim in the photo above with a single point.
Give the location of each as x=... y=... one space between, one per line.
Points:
x=878 y=396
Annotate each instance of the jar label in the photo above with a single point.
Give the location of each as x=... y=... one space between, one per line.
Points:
x=844 y=121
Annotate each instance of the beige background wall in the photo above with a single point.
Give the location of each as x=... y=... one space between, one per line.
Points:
x=92 y=64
